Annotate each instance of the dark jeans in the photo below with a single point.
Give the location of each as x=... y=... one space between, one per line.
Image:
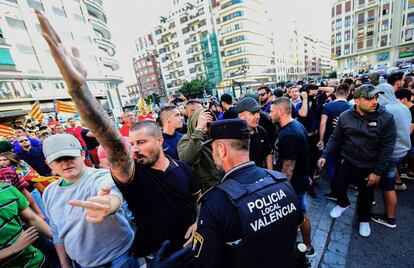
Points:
x=314 y=153
x=345 y=174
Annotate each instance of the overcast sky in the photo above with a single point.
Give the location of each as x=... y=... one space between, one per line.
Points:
x=130 y=18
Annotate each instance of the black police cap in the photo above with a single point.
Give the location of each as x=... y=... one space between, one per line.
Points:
x=233 y=129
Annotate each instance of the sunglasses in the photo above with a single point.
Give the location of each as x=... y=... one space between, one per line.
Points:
x=262 y=94
x=20 y=141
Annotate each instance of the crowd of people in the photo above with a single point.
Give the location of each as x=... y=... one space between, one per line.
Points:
x=216 y=184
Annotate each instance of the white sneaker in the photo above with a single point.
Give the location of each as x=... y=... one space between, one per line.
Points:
x=400 y=187
x=406 y=176
x=364 y=229
x=337 y=211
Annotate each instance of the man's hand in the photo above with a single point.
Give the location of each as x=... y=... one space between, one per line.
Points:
x=181 y=258
x=372 y=179
x=97 y=207
x=203 y=119
x=320 y=145
x=304 y=95
x=335 y=121
x=189 y=235
x=321 y=162
x=26 y=239
x=69 y=64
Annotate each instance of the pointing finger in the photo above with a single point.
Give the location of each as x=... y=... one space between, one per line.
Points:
x=47 y=27
x=87 y=204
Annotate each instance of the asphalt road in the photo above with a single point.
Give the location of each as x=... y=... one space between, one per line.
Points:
x=386 y=247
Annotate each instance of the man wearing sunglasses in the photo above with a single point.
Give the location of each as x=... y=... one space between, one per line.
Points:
x=33 y=156
x=265 y=98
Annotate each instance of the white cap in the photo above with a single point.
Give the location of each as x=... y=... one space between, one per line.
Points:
x=61 y=145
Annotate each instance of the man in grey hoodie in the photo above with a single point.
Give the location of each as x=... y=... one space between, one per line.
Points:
x=402 y=118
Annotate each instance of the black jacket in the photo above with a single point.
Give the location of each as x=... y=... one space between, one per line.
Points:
x=366 y=141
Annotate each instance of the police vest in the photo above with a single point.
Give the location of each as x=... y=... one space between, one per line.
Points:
x=269 y=214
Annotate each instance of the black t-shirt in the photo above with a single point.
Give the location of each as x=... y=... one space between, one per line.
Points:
x=266 y=123
x=292 y=144
x=412 y=122
x=333 y=110
x=91 y=143
x=260 y=146
x=230 y=113
x=162 y=204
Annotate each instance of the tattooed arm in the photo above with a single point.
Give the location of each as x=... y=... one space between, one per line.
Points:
x=92 y=113
x=287 y=168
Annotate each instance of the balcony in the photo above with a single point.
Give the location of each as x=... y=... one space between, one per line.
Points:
x=106 y=45
x=100 y=26
x=110 y=62
x=95 y=7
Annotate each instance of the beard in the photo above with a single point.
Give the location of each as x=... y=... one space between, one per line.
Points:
x=148 y=160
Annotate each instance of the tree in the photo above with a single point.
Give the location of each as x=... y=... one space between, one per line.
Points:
x=194 y=88
x=333 y=75
x=153 y=98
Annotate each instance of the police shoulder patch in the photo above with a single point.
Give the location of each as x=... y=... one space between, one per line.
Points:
x=197 y=244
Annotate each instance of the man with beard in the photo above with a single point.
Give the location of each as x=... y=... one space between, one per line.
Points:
x=265 y=98
x=365 y=137
x=250 y=219
x=160 y=191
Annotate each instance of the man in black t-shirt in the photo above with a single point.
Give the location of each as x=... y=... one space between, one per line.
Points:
x=260 y=150
x=92 y=145
x=226 y=101
x=293 y=151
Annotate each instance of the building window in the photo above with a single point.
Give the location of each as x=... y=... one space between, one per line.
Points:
x=338 y=38
x=410 y=18
x=360 y=45
x=361 y=17
x=347 y=35
x=59 y=11
x=369 y=43
x=25 y=49
x=409 y=35
x=371 y=16
x=338 y=51
x=360 y=33
x=333 y=12
x=348 y=6
x=338 y=24
x=370 y=30
x=338 y=9
x=386 y=9
x=361 y=2
x=233 y=15
x=35 y=4
x=347 y=21
x=16 y=24
x=235 y=39
x=385 y=25
x=5 y=57
x=346 y=49
x=183 y=19
x=384 y=40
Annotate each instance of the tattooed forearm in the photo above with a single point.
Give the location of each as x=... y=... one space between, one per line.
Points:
x=103 y=128
x=287 y=168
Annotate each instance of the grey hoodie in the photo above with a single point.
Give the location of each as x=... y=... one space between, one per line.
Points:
x=402 y=118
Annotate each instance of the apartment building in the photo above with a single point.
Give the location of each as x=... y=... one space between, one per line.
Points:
x=27 y=70
x=372 y=34
x=246 y=41
x=147 y=68
x=187 y=45
x=296 y=52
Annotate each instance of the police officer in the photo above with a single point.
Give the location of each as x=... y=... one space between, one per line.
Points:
x=250 y=219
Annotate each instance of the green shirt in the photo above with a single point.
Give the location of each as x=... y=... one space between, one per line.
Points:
x=12 y=202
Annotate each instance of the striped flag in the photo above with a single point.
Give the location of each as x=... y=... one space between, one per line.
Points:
x=62 y=107
x=6 y=131
x=36 y=112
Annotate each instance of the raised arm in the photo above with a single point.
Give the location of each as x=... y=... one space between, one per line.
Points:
x=91 y=112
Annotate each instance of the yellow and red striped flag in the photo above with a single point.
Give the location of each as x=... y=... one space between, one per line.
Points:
x=36 y=112
x=6 y=131
x=62 y=107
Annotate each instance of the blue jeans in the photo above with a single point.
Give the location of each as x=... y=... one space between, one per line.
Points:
x=126 y=260
x=38 y=199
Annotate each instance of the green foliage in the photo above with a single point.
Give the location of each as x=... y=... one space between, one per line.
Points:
x=333 y=75
x=153 y=98
x=194 y=88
